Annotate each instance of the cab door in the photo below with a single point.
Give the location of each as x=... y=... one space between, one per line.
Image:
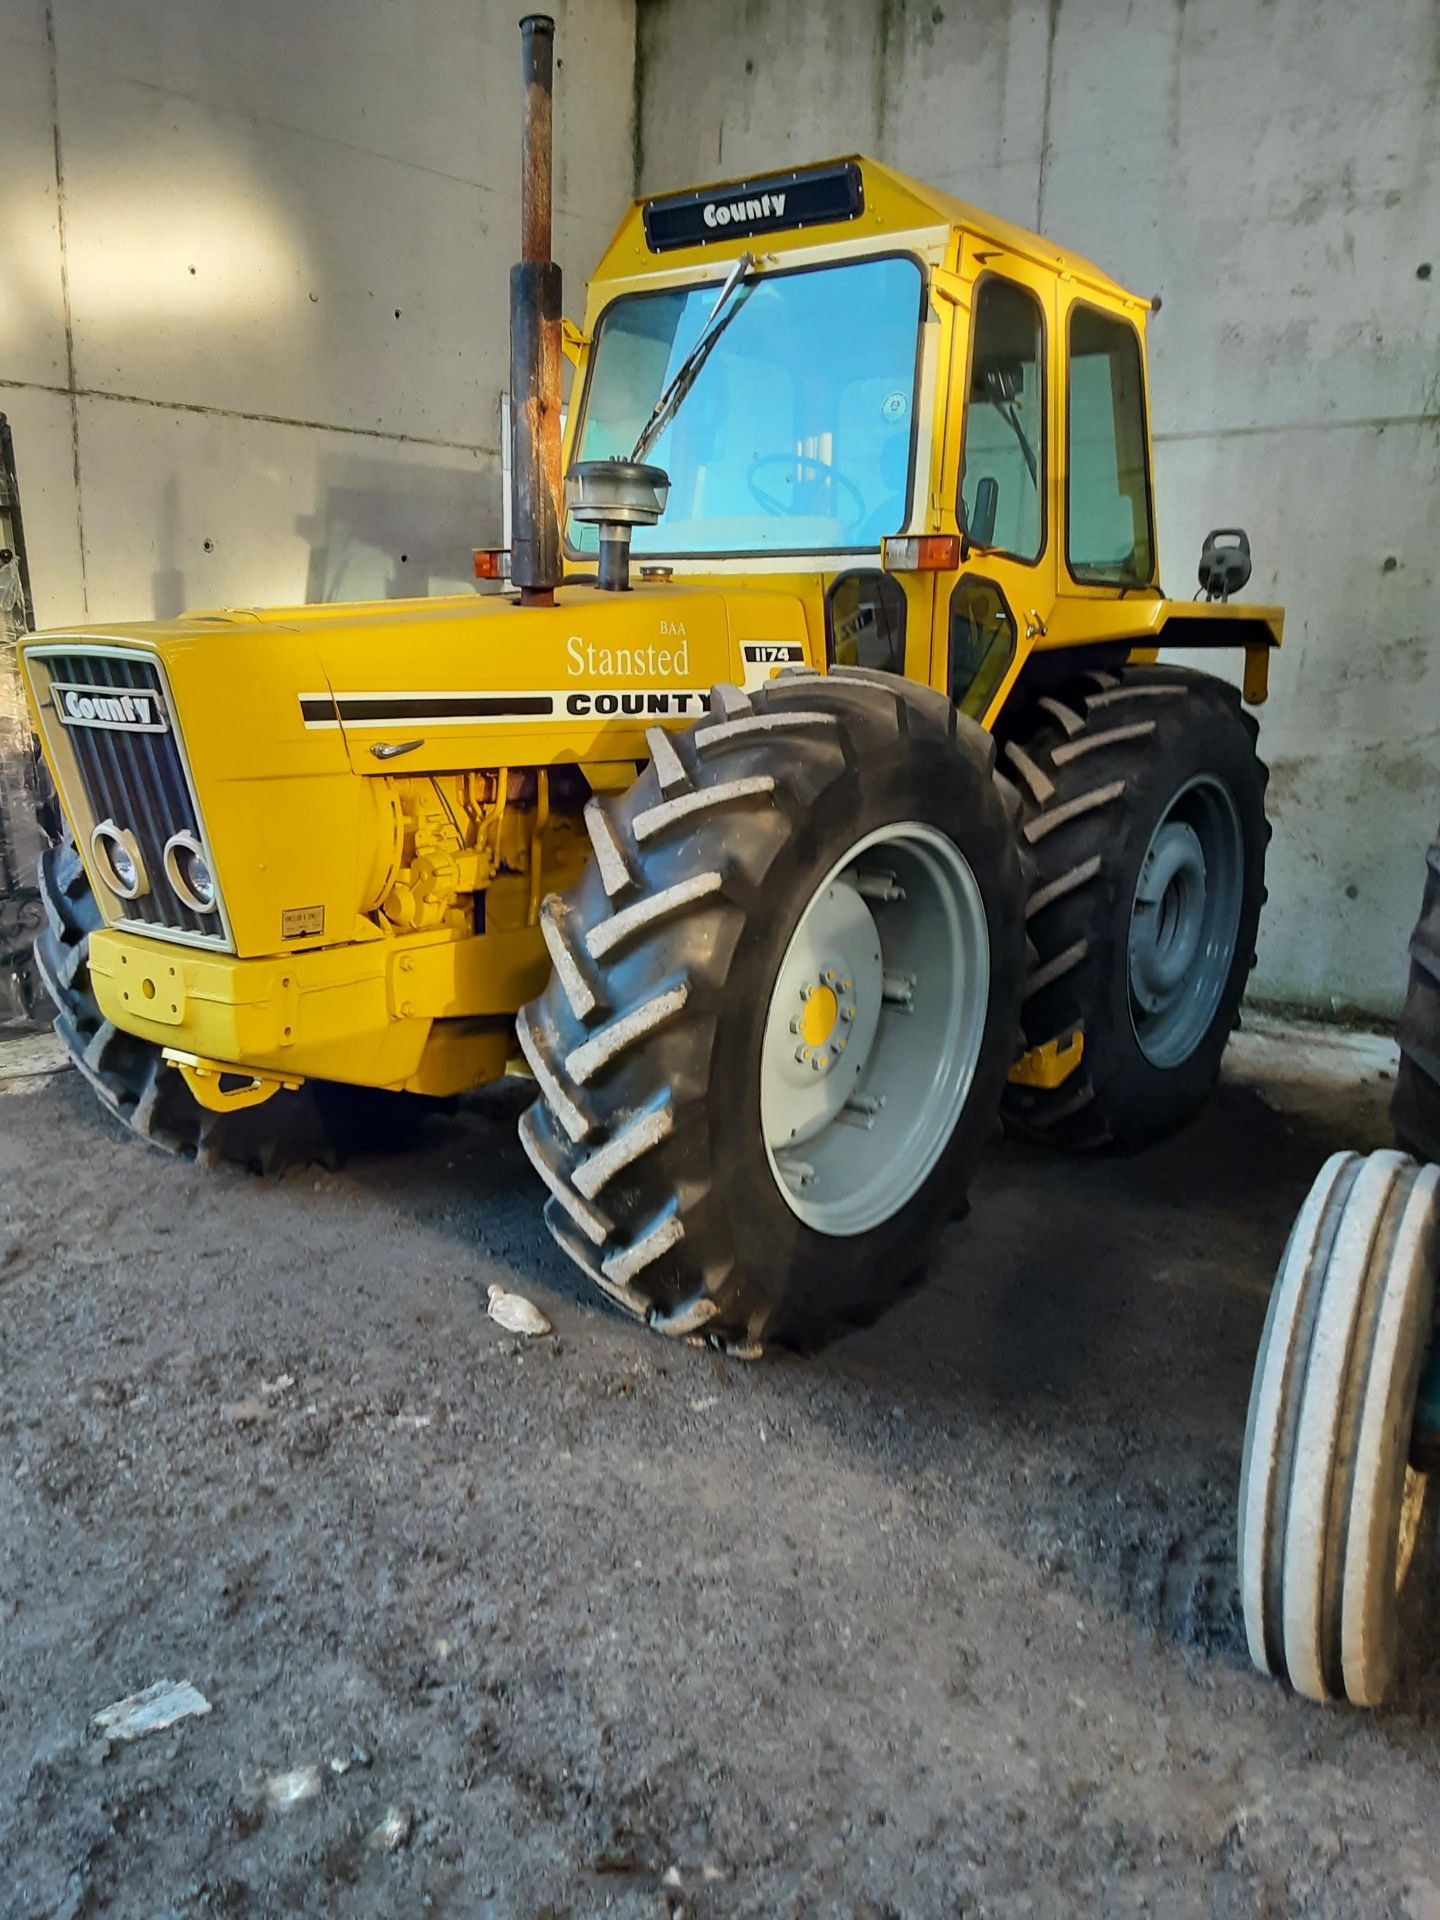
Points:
x=998 y=479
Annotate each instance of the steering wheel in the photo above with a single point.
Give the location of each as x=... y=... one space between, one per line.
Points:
x=817 y=468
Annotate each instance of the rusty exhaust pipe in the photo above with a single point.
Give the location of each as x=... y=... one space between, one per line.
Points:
x=535 y=562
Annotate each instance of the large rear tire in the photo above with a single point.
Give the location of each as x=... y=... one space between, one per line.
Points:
x=1330 y=1506
x=782 y=1011
x=1416 y=1106
x=318 y=1123
x=1144 y=807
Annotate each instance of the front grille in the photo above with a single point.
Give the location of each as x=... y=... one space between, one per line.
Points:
x=136 y=779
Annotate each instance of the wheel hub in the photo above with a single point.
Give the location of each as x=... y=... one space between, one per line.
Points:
x=1185 y=920
x=826 y=1018
x=832 y=979
x=1169 y=913
x=874 y=1028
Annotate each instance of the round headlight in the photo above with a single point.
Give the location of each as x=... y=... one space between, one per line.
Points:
x=117 y=854
x=188 y=871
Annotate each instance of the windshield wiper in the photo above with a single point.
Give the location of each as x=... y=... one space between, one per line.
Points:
x=1000 y=391
x=688 y=371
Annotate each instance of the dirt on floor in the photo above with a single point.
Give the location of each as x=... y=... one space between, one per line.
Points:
x=943 y=1622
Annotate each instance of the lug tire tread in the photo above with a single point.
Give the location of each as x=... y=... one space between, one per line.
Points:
x=670 y=1257
x=1094 y=752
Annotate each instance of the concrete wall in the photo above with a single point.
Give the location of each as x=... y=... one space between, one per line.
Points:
x=1272 y=168
x=253 y=269
x=252 y=306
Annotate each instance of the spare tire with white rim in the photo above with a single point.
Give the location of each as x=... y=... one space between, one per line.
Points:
x=1330 y=1503
x=783 y=1006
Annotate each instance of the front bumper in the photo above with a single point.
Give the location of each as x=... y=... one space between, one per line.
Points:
x=430 y=1014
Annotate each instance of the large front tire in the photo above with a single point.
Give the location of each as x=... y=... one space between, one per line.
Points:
x=831 y=853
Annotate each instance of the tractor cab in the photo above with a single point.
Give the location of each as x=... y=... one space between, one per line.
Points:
x=929 y=424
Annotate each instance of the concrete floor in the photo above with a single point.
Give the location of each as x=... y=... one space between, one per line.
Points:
x=943 y=1622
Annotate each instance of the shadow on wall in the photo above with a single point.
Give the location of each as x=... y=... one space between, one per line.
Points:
x=384 y=531
x=384 y=527
x=167 y=583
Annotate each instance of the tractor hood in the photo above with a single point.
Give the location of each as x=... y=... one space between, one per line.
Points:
x=249 y=729
x=487 y=682
x=455 y=683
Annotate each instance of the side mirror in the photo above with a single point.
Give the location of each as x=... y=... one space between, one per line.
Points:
x=1224 y=562
x=981 y=528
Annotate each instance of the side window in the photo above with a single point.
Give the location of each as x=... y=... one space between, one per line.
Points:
x=1002 y=469
x=1108 y=534
x=865 y=622
x=982 y=643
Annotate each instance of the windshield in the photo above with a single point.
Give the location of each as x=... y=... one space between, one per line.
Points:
x=796 y=435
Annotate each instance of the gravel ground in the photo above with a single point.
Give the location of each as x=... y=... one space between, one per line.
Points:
x=941 y=1623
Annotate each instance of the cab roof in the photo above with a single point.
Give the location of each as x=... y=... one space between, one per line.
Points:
x=674 y=231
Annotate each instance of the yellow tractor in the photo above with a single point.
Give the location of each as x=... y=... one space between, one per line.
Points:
x=809 y=794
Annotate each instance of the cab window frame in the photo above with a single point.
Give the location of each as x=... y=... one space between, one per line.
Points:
x=572 y=446
x=886 y=583
x=969 y=579
x=1091 y=577
x=982 y=280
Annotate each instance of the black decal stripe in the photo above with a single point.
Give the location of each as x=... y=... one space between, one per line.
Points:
x=468 y=706
x=383 y=709
x=460 y=709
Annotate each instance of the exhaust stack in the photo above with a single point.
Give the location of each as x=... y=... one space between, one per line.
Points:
x=535 y=562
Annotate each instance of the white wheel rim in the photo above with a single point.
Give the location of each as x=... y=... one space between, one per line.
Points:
x=874 y=1029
